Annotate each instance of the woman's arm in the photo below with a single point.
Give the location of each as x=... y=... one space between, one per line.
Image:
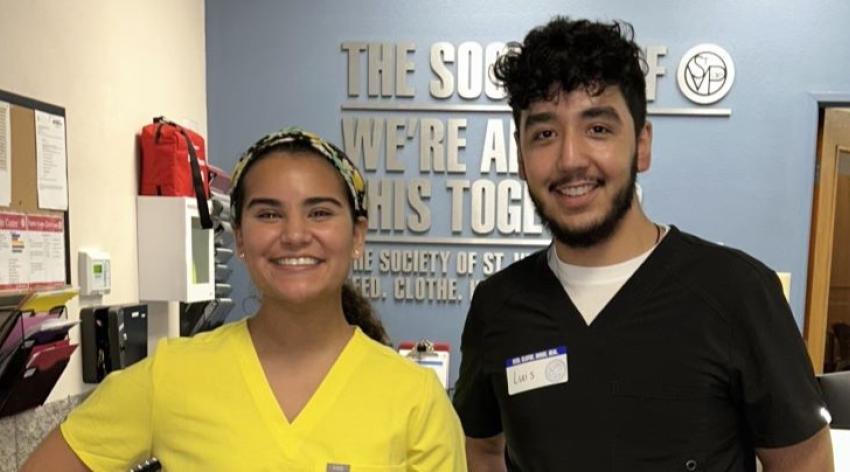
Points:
x=54 y=453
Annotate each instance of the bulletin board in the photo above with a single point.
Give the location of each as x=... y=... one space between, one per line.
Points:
x=34 y=238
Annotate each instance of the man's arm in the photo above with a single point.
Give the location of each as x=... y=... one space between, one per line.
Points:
x=54 y=454
x=486 y=454
x=811 y=455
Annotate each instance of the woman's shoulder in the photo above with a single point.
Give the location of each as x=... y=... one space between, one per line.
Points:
x=219 y=341
x=392 y=366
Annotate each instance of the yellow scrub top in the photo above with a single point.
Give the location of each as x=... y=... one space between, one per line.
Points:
x=204 y=403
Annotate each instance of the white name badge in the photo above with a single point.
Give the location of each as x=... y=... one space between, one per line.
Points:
x=537 y=370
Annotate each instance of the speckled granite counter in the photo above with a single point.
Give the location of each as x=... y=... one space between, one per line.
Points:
x=20 y=434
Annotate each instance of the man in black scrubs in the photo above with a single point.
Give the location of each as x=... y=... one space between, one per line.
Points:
x=626 y=345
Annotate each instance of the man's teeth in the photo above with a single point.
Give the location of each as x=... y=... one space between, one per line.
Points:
x=296 y=261
x=575 y=190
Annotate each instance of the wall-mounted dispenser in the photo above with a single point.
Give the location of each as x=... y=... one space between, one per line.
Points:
x=112 y=338
x=95 y=272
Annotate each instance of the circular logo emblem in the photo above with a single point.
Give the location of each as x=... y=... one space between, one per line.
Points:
x=556 y=370
x=706 y=73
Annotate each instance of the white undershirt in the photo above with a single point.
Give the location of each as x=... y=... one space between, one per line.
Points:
x=591 y=288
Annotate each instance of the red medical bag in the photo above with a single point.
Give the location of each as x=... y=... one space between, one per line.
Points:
x=174 y=164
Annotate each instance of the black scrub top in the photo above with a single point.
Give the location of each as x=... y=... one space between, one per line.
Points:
x=696 y=361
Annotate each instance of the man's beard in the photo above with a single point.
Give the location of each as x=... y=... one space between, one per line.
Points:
x=597 y=231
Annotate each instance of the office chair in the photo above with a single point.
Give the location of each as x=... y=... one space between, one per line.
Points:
x=842 y=340
x=836 y=393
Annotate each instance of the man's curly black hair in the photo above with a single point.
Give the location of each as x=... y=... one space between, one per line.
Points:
x=574 y=54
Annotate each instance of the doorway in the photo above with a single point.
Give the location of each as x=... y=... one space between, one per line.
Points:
x=827 y=327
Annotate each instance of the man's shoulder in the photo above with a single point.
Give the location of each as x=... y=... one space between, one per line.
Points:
x=725 y=277
x=711 y=258
x=516 y=277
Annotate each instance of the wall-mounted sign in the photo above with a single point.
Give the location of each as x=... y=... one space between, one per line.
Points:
x=706 y=73
x=446 y=211
x=32 y=251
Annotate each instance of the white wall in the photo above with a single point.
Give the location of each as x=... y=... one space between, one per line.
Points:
x=113 y=65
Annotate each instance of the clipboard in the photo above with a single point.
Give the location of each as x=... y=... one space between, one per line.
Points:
x=433 y=355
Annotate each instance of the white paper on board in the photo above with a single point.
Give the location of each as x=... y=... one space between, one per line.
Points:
x=5 y=155
x=52 y=162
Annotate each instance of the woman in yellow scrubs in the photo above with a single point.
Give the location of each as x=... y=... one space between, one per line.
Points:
x=307 y=384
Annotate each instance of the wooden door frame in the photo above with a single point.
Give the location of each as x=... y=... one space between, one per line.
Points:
x=820 y=245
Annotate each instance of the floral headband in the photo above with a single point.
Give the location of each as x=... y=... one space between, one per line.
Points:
x=294 y=135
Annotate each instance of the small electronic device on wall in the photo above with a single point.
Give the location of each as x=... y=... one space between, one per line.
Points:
x=95 y=272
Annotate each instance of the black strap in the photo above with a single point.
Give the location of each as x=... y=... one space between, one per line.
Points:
x=197 y=180
x=198 y=183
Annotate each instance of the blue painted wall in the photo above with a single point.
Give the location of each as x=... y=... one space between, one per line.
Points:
x=744 y=180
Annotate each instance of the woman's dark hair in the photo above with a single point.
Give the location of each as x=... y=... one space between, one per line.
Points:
x=574 y=55
x=237 y=193
x=356 y=308
x=358 y=312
